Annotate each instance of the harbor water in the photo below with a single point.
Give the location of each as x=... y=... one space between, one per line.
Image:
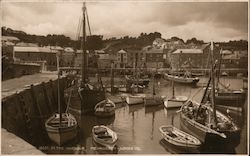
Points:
x=137 y=126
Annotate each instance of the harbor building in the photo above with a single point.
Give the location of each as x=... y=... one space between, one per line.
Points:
x=121 y=59
x=35 y=55
x=155 y=57
x=192 y=57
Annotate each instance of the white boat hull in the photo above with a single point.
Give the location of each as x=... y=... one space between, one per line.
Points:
x=110 y=143
x=63 y=134
x=175 y=102
x=134 y=100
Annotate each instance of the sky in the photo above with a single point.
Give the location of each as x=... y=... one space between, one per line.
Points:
x=217 y=21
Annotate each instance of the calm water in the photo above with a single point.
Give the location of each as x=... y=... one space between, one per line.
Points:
x=137 y=127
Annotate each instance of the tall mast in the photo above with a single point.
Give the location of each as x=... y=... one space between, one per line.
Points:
x=218 y=73
x=213 y=84
x=173 y=89
x=84 y=58
x=58 y=90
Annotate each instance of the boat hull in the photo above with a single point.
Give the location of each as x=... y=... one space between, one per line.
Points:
x=175 y=102
x=134 y=100
x=61 y=135
x=105 y=108
x=83 y=101
x=230 y=99
x=153 y=101
x=181 y=140
x=183 y=80
x=205 y=134
x=108 y=144
x=140 y=81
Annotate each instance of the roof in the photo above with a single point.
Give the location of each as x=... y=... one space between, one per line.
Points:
x=9 y=38
x=188 y=51
x=122 y=51
x=34 y=49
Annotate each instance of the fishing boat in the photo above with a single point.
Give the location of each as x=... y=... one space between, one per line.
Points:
x=117 y=99
x=105 y=108
x=179 y=138
x=86 y=95
x=139 y=81
x=205 y=122
x=184 y=79
x=104 y=136
x=153 y=100
x=61 y=127
x=174 y=101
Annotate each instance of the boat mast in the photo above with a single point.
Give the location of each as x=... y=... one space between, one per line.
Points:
x=58 y=90
x=213 y=85
x=173 y=89
x=84 y=58
x=218 y=73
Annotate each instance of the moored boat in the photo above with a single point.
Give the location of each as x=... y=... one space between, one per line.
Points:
x=196 y=119
x=63 y=132
x=153 y=100
x=61 y=127
x=138 y=81
x=182 y=79
x=175 y=102
x=104 y=136
x=231 y=98
x=105 y=108
x=134 y=99
x=179 y=138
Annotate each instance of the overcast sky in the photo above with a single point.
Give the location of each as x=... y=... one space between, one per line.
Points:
x=218 y=21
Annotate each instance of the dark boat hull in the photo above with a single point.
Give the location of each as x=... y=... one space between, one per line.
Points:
x=230 y=99
x=181 y=79
x=140 y=81
x=84 y=101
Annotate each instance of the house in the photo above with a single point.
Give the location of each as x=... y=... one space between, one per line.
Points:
x=121 y=59
x=193 y=57
x=155 y=57
x=35 y=55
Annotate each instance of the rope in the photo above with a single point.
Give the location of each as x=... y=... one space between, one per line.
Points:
x=69 y=101
x=88 y=22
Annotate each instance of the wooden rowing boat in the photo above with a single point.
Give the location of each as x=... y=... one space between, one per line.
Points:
x=105 y=108
x=104 y=136
x=63 y=132
x=179 y=138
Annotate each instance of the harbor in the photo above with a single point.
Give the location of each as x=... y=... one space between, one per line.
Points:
x=137 y=126
x=150 y=94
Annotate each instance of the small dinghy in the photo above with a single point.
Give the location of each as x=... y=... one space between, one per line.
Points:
x=64 y=131
x=179 y=138
x=104 y=136
x=134 y=99
x=175 y=102
x=105 y=108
